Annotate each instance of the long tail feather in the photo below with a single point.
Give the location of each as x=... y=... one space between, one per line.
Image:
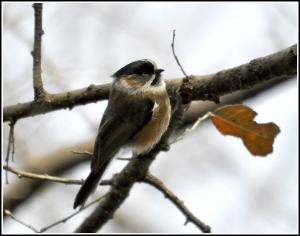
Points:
x=88 y=187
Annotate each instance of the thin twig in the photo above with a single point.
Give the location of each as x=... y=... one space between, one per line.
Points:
x=91 y=154
x=29 y=175
x=72 y=215
x=191 y=128
x=11 y=141
x=124 y=158
x=9 y=213
x=174 y=54
x=185 y=87
x=82 y=153
x=158 y=184
x=55 y=179
x=39 y=92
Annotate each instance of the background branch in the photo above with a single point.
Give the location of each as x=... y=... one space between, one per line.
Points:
x=50 y=178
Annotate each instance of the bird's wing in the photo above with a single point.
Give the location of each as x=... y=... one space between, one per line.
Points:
x=120 y=122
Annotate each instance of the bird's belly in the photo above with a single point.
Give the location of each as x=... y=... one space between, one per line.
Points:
x=151 y=133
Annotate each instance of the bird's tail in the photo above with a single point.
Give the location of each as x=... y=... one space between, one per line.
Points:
x=88 y=187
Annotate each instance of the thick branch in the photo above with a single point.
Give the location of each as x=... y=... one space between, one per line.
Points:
x=208 y=87
x=198 y=109
x=158 y=184
x=57 y=101
x=211 y=87
x=39 y=93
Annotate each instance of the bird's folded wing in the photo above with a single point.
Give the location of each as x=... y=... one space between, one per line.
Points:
x=115 y=130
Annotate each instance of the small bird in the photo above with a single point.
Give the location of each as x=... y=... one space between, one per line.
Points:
x=137 y=115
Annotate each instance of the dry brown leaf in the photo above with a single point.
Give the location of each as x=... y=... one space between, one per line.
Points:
x=237 y=120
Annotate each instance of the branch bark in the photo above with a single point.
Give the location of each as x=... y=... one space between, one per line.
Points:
x=207 y=87
x=39 y=92
x=211 y=87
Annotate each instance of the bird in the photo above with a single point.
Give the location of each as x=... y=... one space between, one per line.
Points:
x=137 y=115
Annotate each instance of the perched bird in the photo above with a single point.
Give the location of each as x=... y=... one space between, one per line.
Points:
x=137 y=115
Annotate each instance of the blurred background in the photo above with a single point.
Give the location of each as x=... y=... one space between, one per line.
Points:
x=216 y=177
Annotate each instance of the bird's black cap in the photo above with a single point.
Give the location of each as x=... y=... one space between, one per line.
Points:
x=137 y=67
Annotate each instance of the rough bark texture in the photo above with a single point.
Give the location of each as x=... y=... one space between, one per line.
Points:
x=207 y=87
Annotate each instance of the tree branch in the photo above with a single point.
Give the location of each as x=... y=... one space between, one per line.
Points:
x=11 y=215
x=207 y=87
x=10 y=145
x=158 y=184
x=211 y=87
x=50 y=178
x=175 y=56
x=39 y=92
x=57 y=101
x=199 y=109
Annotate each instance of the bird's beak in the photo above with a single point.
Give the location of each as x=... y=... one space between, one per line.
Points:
x=158 y=71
